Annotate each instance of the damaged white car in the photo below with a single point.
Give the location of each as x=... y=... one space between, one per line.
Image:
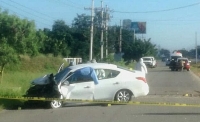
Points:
x=91 y=81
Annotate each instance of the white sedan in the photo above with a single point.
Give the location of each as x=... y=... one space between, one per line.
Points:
x=98 y=81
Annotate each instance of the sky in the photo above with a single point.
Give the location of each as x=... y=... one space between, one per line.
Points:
x=170 y=24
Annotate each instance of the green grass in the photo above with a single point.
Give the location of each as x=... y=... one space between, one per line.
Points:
x=16 y=78
x=195 y=68
x=16 y=83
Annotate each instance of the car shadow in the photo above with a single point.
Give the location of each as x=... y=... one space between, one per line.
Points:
x=91 y=104
x=44 y=105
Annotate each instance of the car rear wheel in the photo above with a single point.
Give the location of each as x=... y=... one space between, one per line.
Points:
x=123 y=95
x=56 y=103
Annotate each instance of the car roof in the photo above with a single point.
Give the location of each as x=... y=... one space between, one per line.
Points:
x=94 y=65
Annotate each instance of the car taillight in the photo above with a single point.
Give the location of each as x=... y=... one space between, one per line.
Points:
x=142 y=78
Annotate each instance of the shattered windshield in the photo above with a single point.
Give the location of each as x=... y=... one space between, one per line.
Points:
x=62 y=74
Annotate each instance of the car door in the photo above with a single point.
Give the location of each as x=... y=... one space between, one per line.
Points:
x=107 y=86
x=82 y=90
x=78 y=87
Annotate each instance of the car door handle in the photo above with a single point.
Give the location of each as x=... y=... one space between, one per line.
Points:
x=87 y=87
x=116 y=83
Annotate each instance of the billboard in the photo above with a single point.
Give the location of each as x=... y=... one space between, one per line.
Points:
x=127 y=24
x=139 y=27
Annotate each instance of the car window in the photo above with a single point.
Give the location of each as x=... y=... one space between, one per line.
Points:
x=76 y=78
x=146 y=59
x=112 y=74
x=62 y=74
x=106 y=73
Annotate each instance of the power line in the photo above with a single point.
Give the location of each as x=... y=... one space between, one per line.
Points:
x=161 y=10
x=32 y=9
x=24 y=11
x=163 y=20
x=25 y=16
x=73 y=3
x=81 y=8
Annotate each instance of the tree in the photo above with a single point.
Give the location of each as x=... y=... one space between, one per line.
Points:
x=81 y=35
x=17 y=37
x=165 y=52
x=59 y=40
x=20 y=33
x=7 y=55
x=134 y=50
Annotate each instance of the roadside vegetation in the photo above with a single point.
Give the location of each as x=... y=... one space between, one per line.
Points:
x=17 y=77
x=195 y=68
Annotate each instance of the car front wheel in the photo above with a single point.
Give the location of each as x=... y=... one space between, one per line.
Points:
x=123 y=95
x=56 y=103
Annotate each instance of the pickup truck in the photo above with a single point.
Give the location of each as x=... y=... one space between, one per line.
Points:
x=150 y=61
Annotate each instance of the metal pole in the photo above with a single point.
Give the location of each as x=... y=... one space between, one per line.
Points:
x=106 y=33
x=196 y=46
x=134 y=35
x=91 y=30
x=101 y=30
x=120 y=39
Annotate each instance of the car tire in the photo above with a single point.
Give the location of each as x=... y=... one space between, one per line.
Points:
x=123 y=95
x=56 y=103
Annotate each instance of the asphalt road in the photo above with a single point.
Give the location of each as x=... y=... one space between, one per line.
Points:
x=165 y=86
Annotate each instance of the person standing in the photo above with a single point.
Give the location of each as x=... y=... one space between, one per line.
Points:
x=141 y=66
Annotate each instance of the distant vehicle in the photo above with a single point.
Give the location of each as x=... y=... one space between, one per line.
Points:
x=173 y=59
x=185 y=65
x=150 y=61
x=90 y=81
x=167 y=62
x=164 y=59
x=180 y=64
x=175 y=55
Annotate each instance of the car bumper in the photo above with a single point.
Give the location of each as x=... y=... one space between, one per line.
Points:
x=143 y=91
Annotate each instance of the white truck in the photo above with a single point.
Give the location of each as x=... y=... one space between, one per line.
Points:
x=150 y=61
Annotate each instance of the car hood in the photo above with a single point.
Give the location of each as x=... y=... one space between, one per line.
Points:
x=41 y=80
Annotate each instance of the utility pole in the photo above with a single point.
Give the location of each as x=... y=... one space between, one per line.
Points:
x=91 y=30
x=106 y=31
x=102 y=28
x=196 y=46
x=120 y=38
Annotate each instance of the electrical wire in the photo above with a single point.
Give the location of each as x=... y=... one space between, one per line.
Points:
x=24 y=16
x=32 y=9
x=24 y=11
x=75 y=3
x=71 y=5
x=171 y=9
